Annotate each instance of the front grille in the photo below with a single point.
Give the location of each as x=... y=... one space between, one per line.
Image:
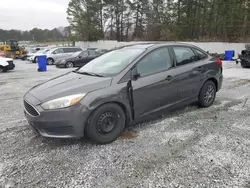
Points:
x=30 y=109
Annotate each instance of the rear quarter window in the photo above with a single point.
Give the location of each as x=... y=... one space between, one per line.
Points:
x=184 y=55
x=200 y=55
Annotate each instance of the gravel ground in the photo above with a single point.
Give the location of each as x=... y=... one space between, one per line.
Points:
x=189 y=147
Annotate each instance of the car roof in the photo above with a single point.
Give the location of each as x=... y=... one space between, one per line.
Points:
x=155 y=45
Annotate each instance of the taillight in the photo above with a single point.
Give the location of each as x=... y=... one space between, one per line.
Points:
x=219 y=62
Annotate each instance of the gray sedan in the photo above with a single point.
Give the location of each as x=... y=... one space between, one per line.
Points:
x=121 y=87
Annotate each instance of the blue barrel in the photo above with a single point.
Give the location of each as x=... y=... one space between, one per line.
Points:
x=42 y=63
x=229 y=54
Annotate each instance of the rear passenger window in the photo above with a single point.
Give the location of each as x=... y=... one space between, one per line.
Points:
x=71 y=50
x=154 y=62
x=92 y=53
x=184 y=55
x=84 y=54
x=200 y=55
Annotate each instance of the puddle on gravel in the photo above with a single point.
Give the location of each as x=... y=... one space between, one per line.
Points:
x=128 y=135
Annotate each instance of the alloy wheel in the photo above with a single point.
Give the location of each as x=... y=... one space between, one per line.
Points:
x=209 y=94
x=69 y=65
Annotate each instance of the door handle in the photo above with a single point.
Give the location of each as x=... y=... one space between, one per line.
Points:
x=200 y=68
x=169 y=78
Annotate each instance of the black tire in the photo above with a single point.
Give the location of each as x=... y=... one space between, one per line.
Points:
x=3 y=69
x=69 y=64
x=244 y=66
x=50 y=61
x=106 y=124
x=207 y=94
x=35 y=60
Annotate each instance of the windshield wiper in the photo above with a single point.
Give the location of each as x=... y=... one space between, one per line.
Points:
x=88 y=73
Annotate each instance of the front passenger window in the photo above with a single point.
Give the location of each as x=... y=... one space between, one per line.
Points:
x=58 y=51
x=154 y=62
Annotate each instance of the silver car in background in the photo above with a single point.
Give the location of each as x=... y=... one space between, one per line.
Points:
x=55 y=53
x=60 y=52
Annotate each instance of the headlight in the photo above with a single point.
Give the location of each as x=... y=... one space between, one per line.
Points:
x=62 y=102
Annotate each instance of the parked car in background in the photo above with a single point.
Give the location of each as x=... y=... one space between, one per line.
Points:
x=6 y=64
x=33 y=55
x=120 y=87
x=78 y=59
x=60 y=52
x=29 y=52
x=244 y=57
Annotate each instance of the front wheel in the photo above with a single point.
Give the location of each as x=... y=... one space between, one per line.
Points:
x=69 y=64
x=3 y=69
x=106 y=124
x=207 y=94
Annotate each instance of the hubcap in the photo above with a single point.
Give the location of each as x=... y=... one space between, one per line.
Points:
x=50 y=62
x=107 y=122
x=209 y=94
x=69 y=65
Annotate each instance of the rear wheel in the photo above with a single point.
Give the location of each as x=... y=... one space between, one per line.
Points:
x=244 y=66
x=35 y=60
x=207 y=94
x=69 y=64
x=106 y=124
x=50 y=61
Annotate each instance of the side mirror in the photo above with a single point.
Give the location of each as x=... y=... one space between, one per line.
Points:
x=79 y=57
x=135 y=74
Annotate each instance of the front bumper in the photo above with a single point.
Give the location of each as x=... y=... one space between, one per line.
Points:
x=60 y=123
x=11 y=65
x=60 y=65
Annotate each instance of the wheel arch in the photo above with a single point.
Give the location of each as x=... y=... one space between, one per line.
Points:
x=128 y=115
x=51 y=59
x=214 y=80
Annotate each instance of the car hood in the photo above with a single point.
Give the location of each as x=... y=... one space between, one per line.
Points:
x=5 y=59
x=68 y=84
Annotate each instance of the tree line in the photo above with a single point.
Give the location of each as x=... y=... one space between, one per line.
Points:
x=171 y=20
x=37 y=35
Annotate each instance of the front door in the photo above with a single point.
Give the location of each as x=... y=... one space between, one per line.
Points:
x=155 y=87
x=82 y=59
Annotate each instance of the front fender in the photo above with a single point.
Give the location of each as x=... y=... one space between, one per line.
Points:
x=96 y=99
x=3 y=63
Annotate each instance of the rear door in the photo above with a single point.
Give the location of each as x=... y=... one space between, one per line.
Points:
x=155 y=87
x=190 y=72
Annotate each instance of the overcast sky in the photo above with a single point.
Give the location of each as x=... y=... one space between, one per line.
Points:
x=27 y=14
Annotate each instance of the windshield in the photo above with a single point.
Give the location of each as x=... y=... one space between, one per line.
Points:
x=48 y=50
x=111 y=63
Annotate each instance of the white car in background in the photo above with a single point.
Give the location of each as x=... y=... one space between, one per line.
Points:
x=6 y=64
x=33 y=56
